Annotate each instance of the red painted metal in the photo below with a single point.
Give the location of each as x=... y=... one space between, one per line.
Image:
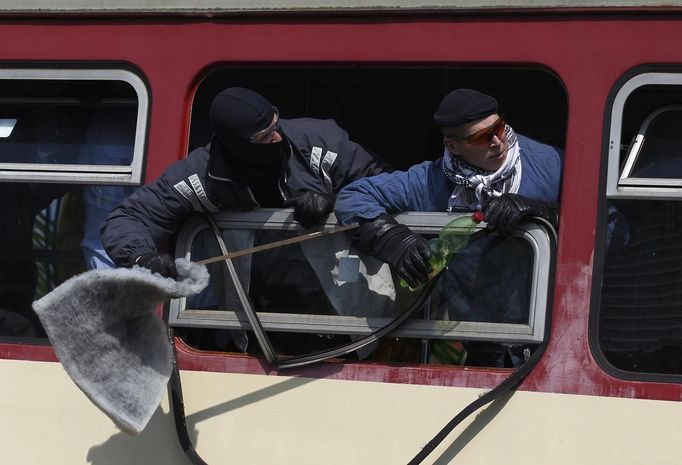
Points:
x=588 y=54
x=27 y=352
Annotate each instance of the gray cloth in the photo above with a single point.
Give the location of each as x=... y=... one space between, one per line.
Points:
x=103 y=326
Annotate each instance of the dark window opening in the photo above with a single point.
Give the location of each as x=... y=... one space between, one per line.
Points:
x=640 y=104
x=51 y=121
x=659 y=152
x=389 y=110
x=640 y=321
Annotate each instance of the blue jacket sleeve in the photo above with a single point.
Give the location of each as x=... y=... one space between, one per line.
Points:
x=400 y=191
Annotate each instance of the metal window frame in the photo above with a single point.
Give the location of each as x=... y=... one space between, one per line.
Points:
x=533 y=332
x=625 y=178
x=621 y=184
x=77 y=173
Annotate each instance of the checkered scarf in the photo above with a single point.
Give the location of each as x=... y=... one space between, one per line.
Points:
x=475 y=186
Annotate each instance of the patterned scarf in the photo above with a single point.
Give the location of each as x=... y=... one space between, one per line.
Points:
x=475 y=186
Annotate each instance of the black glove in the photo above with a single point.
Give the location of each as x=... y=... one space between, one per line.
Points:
x=159 y=263
x=406 y=253
x=311 y=208
x=505 y=212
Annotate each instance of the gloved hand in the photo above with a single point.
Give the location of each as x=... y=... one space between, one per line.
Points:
x=505 y=212
x=311 y=208
x=405 y=252
x=159 y=263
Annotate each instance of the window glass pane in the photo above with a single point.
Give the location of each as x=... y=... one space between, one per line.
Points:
x=640 y=320
x=68 y=121
x=661 y=153
x=25 y=207
x=298 y=279
x=639 y=104
x=489 y=281
x=50 y=231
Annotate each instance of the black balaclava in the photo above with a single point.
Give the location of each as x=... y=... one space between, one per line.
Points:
x=235 y=115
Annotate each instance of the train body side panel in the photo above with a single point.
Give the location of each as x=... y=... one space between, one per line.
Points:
x=255 y=419
x=46 y=419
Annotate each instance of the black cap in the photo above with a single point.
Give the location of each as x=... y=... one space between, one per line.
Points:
x=239 y=113
x=463 y=106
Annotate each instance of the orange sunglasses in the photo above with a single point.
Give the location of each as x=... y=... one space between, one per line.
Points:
x=485 y=135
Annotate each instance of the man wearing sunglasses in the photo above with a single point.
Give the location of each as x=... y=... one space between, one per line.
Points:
x=485 y=167
x=255 y=159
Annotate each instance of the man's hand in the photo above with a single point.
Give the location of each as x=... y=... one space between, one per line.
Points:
x=505 y=212
x=406 y=253
x=160 y=263
x=311 y=208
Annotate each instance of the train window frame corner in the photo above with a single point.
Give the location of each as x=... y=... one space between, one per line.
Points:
x=130 y=174
x=619 y=180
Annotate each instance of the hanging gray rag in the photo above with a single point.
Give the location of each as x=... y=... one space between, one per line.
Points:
x=104 y=328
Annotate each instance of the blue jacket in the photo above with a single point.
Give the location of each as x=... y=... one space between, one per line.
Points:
x=322 y=159
x=488 y=280
x=424 y=187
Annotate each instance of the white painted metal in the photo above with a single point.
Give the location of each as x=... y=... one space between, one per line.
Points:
x=255 y=420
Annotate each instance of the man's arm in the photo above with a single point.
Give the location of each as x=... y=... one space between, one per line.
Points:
x=145 y=221
x=400 y=191
x=357 y=163
x=334 y=158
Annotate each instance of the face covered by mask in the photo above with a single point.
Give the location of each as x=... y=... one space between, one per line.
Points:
x=257 y=160
x=245 y=125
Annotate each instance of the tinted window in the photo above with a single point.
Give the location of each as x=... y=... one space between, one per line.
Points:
x=70 y=132
x=640 y=311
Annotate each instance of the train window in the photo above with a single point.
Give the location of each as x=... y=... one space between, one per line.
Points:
x=319 y=293
x=302 y=295
x=71 y=144
x=54 y=122
x=640 y=317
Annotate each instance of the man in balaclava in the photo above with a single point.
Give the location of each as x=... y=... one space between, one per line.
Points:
x=255 y=159
x=247 y=141
x=246 y=134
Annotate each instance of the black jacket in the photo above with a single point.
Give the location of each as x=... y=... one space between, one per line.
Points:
x=322 y=158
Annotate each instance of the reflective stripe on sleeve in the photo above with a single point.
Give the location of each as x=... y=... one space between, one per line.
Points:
x=201 y=193
x=327 y=162
x=183 y=188
x=322 y=165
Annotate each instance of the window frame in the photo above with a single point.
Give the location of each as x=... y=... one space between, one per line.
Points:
x=421 y=222
x=649 y=74
x=76 y=173
x=618 y=183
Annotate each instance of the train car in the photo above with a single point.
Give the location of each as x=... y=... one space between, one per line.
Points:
x=98 y=100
